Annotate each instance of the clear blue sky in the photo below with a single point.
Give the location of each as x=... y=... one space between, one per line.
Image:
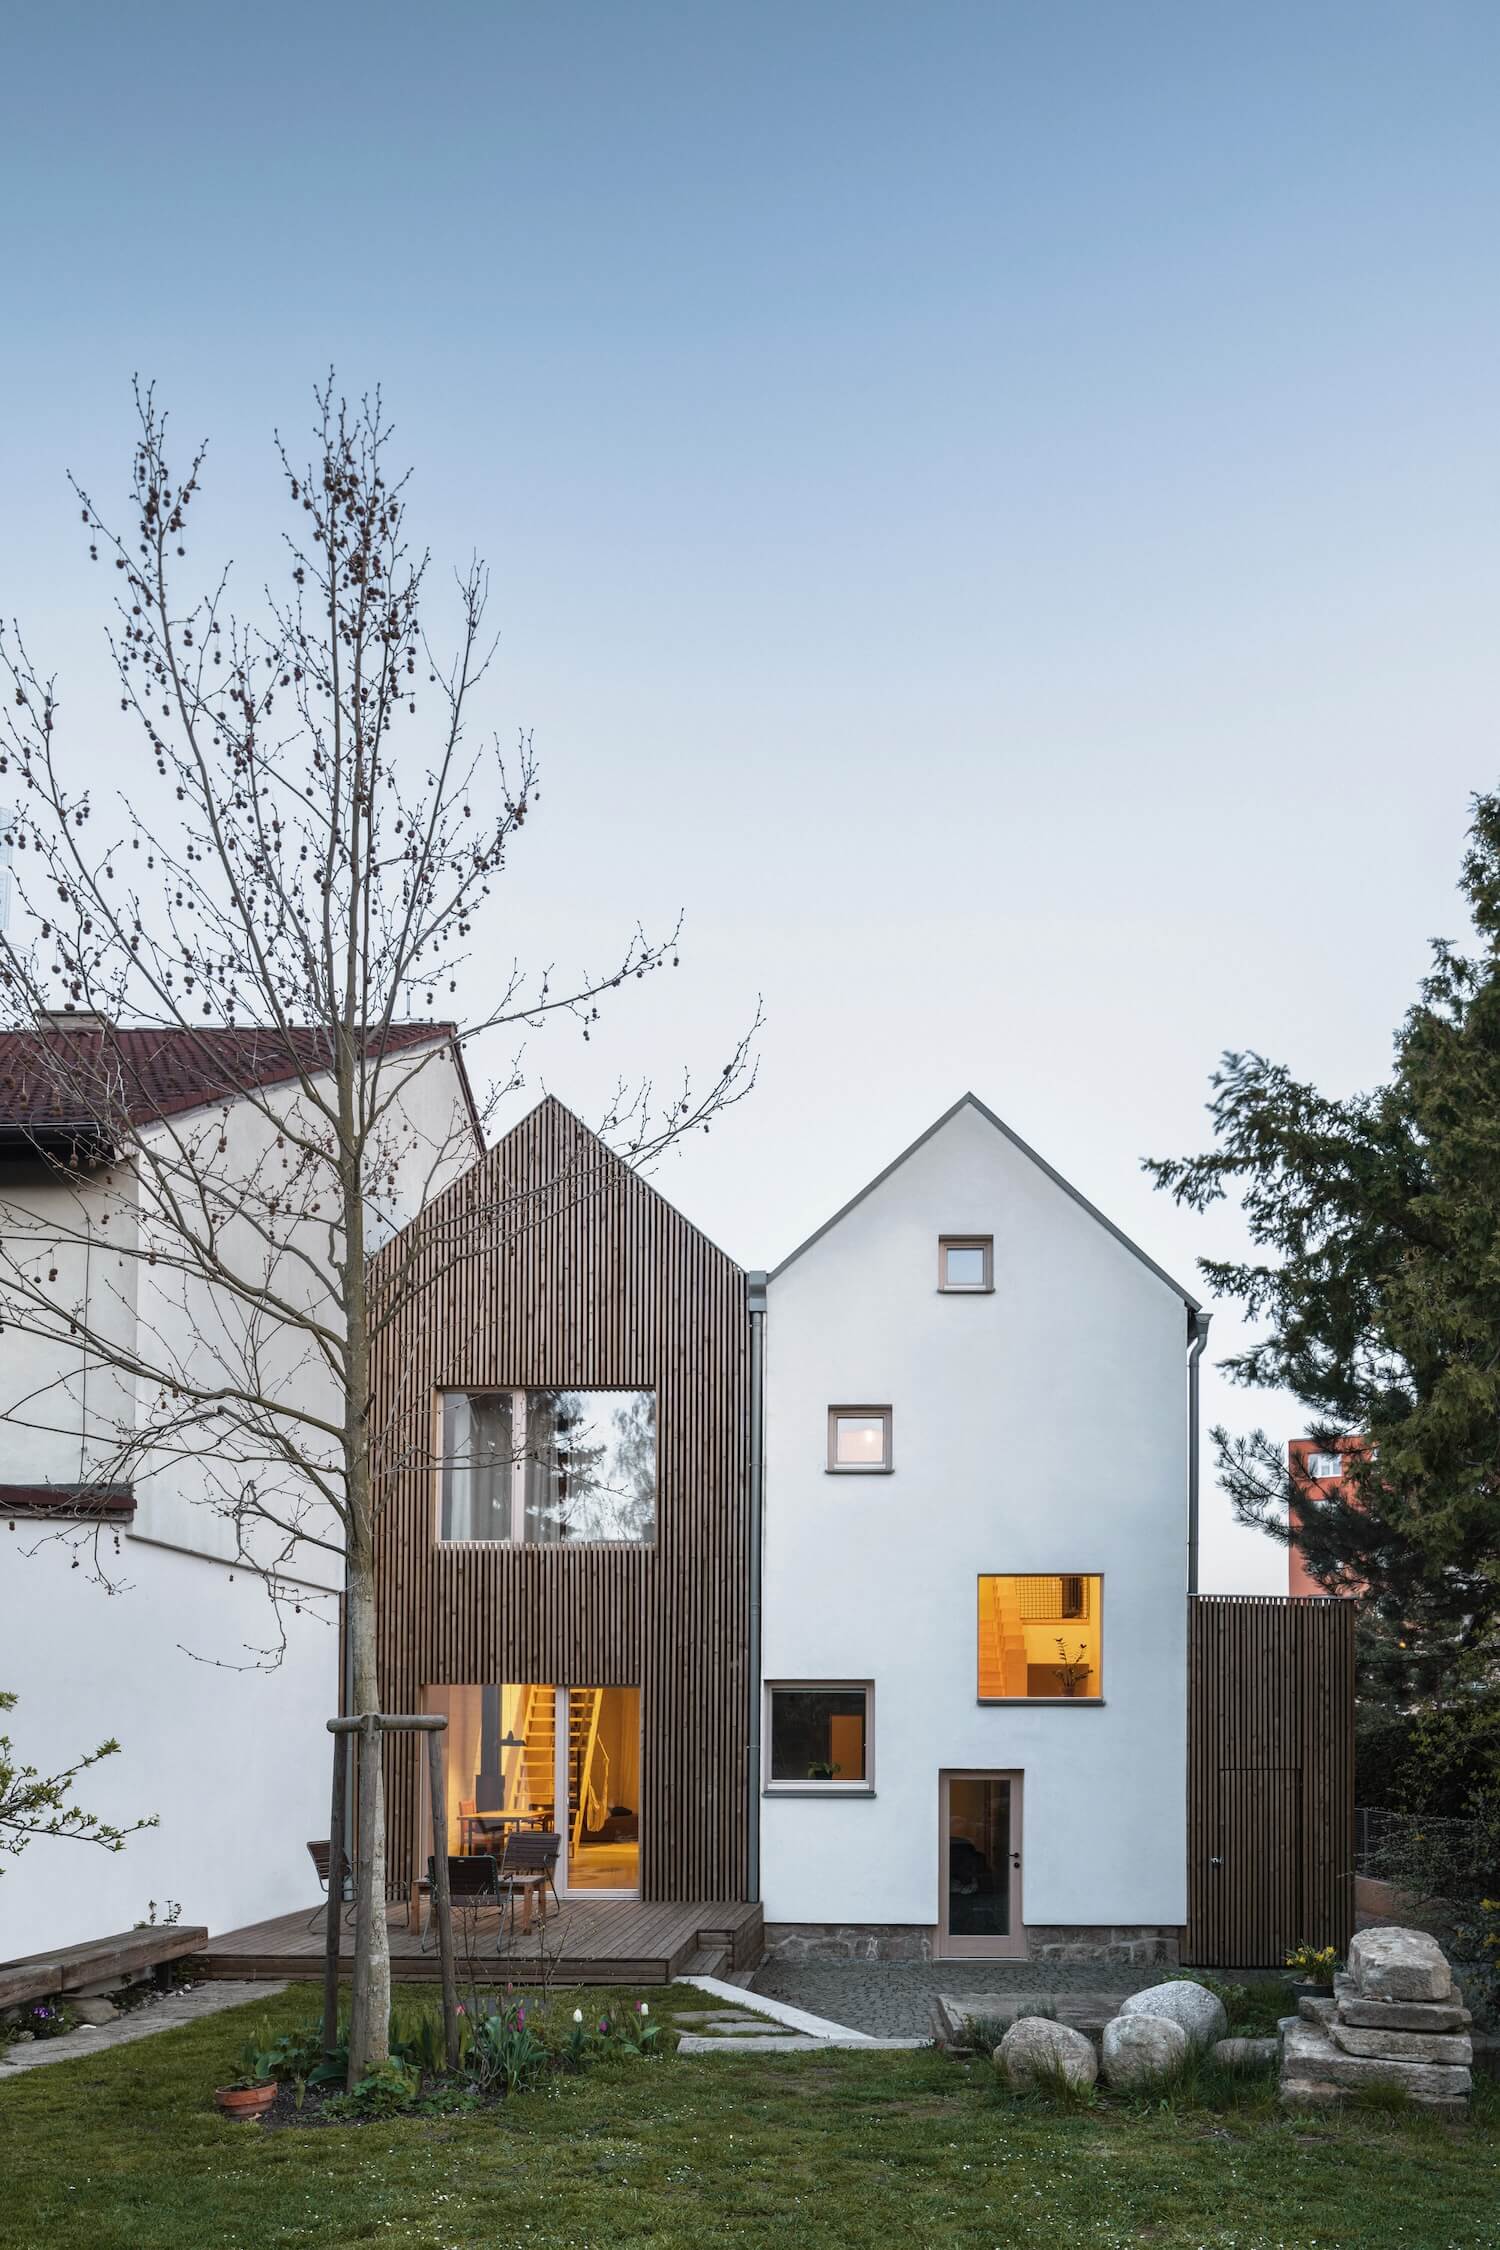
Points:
x=992 y=507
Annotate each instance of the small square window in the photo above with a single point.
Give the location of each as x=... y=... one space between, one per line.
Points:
x=859 y=1439
x=966 y=1264
x=818 y=1736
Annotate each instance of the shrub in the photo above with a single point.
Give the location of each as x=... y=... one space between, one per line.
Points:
x=388 y=2090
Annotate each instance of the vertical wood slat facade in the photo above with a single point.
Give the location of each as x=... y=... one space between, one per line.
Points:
x=1270 y=1778
x=552 y=1264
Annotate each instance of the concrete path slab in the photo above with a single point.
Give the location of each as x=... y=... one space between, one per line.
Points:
x=140 y=2023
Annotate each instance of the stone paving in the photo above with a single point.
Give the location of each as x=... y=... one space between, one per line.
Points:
x=138 y=2023
x=894 y=1998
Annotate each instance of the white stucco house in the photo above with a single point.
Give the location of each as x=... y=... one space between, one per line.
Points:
x=978 y=1508
x=133 y=1603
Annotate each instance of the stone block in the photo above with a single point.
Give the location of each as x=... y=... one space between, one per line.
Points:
x=1312 y=2009
x=1395 y=1964
x=1308 y=2054
x=1400 y=2015
x=1403 y=2046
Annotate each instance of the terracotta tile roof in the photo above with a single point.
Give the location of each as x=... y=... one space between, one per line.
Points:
x=85 y=1075
x=109 y=1500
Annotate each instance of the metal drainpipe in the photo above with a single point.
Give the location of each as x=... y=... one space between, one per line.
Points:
x=756 y=1302
x=1198 y=1332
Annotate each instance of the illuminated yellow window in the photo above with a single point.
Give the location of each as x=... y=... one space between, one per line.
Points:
x=1040 y=1637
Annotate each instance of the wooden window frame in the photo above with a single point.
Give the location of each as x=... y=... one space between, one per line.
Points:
x=981 y=1242
x=865 y=1786
x=883 y=1414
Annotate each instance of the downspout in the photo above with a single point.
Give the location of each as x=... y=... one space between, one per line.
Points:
x=756 y=1305
x=1197 y=1338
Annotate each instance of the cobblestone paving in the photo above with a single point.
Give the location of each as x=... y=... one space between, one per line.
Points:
x=895 y=1997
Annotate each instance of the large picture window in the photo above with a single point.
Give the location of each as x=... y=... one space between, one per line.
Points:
x=548 y=1468
x=1040 y=1638
x=819 y=1736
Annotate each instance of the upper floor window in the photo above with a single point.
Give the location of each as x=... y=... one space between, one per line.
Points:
x=548 y=1468
x=859 y=1437
x=966 y=1264
x=1325 y=1465
x=1040 y=1637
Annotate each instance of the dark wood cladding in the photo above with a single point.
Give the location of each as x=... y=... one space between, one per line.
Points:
x=552 y=1263
x=1270 y=1777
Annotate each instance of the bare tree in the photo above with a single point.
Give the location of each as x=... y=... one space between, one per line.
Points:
x=298 y=867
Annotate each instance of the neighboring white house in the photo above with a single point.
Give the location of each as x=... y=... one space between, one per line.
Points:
x=171 y=1643
x=975 y=1558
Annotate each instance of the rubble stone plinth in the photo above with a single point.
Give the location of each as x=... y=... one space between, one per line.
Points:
x=1396 y=2019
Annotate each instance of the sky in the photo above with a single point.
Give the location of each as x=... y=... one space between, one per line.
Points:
x=990 y=509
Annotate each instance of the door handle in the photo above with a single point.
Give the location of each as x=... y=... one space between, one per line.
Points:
x=1216 y=1861
x=1015 y=1859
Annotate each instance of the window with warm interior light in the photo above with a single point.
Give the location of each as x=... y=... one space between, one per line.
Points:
x=1039 y=1638
x=859 y=1437
x=548 y=1468
x=818 y=1736
x=966 y=1264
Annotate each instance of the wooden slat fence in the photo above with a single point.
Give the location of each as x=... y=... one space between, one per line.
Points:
x=1270 y=1778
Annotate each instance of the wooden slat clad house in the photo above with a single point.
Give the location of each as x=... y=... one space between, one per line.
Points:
x=551 y=1265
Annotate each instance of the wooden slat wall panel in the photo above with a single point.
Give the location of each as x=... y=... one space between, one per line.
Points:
x=1270 y=1777
x=551 y=1263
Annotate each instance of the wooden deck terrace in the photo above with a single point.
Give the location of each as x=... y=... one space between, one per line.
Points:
x=586 y=1941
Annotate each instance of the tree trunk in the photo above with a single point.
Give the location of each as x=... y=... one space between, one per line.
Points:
x=370 y=2002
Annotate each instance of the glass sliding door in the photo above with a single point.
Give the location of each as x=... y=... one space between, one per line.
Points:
x=979 y=1866
x=599 y=1784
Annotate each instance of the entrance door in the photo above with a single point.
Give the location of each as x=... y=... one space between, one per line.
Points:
x=598 y=1791
x=979 y=1866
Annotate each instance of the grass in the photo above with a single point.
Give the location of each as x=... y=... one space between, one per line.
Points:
x=123 y=2151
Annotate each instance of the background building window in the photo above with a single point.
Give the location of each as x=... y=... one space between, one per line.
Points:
x=548 y=1468
x=1325 y=1465
x=819 y=1736
x=859 y=1437
x=1040 y=1637
x=966 y=1263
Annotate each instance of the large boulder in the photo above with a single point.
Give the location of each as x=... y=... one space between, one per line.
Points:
x=1139 y=2050
x=1393 y=1964
x=1037 y=2051
x=1199 y=2011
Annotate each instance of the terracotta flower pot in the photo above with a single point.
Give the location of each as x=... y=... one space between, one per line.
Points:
x=245 y=2101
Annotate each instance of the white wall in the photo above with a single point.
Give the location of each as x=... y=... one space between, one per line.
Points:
x=1042 y=1428
x=237 y=1763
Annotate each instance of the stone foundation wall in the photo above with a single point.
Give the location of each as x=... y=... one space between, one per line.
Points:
x=1128 y=1946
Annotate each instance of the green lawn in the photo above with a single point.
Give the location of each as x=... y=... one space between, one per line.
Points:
x=125 y=2152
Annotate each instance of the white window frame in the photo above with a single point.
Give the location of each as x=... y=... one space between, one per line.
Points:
x=985 y=1244
x=805 y=1787
x=882 y=1414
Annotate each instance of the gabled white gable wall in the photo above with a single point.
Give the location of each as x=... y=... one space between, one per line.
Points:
x=1043 y=1428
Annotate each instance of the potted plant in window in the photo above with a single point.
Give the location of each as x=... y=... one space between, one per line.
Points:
x=823 y=1769
x=1311 y=1971
x=253 y=2091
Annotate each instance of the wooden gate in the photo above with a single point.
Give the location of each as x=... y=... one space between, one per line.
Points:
x=1270 y=1777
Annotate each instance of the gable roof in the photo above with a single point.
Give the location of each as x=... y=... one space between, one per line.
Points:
x=972 y=1101
x=82 y=1078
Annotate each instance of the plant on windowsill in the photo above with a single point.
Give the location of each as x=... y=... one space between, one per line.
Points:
x=822 y=1770
x=1072 y=1672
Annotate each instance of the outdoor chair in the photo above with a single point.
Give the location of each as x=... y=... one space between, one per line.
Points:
x=473 y=1885
x=528 y=1864
x=321 y=1854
